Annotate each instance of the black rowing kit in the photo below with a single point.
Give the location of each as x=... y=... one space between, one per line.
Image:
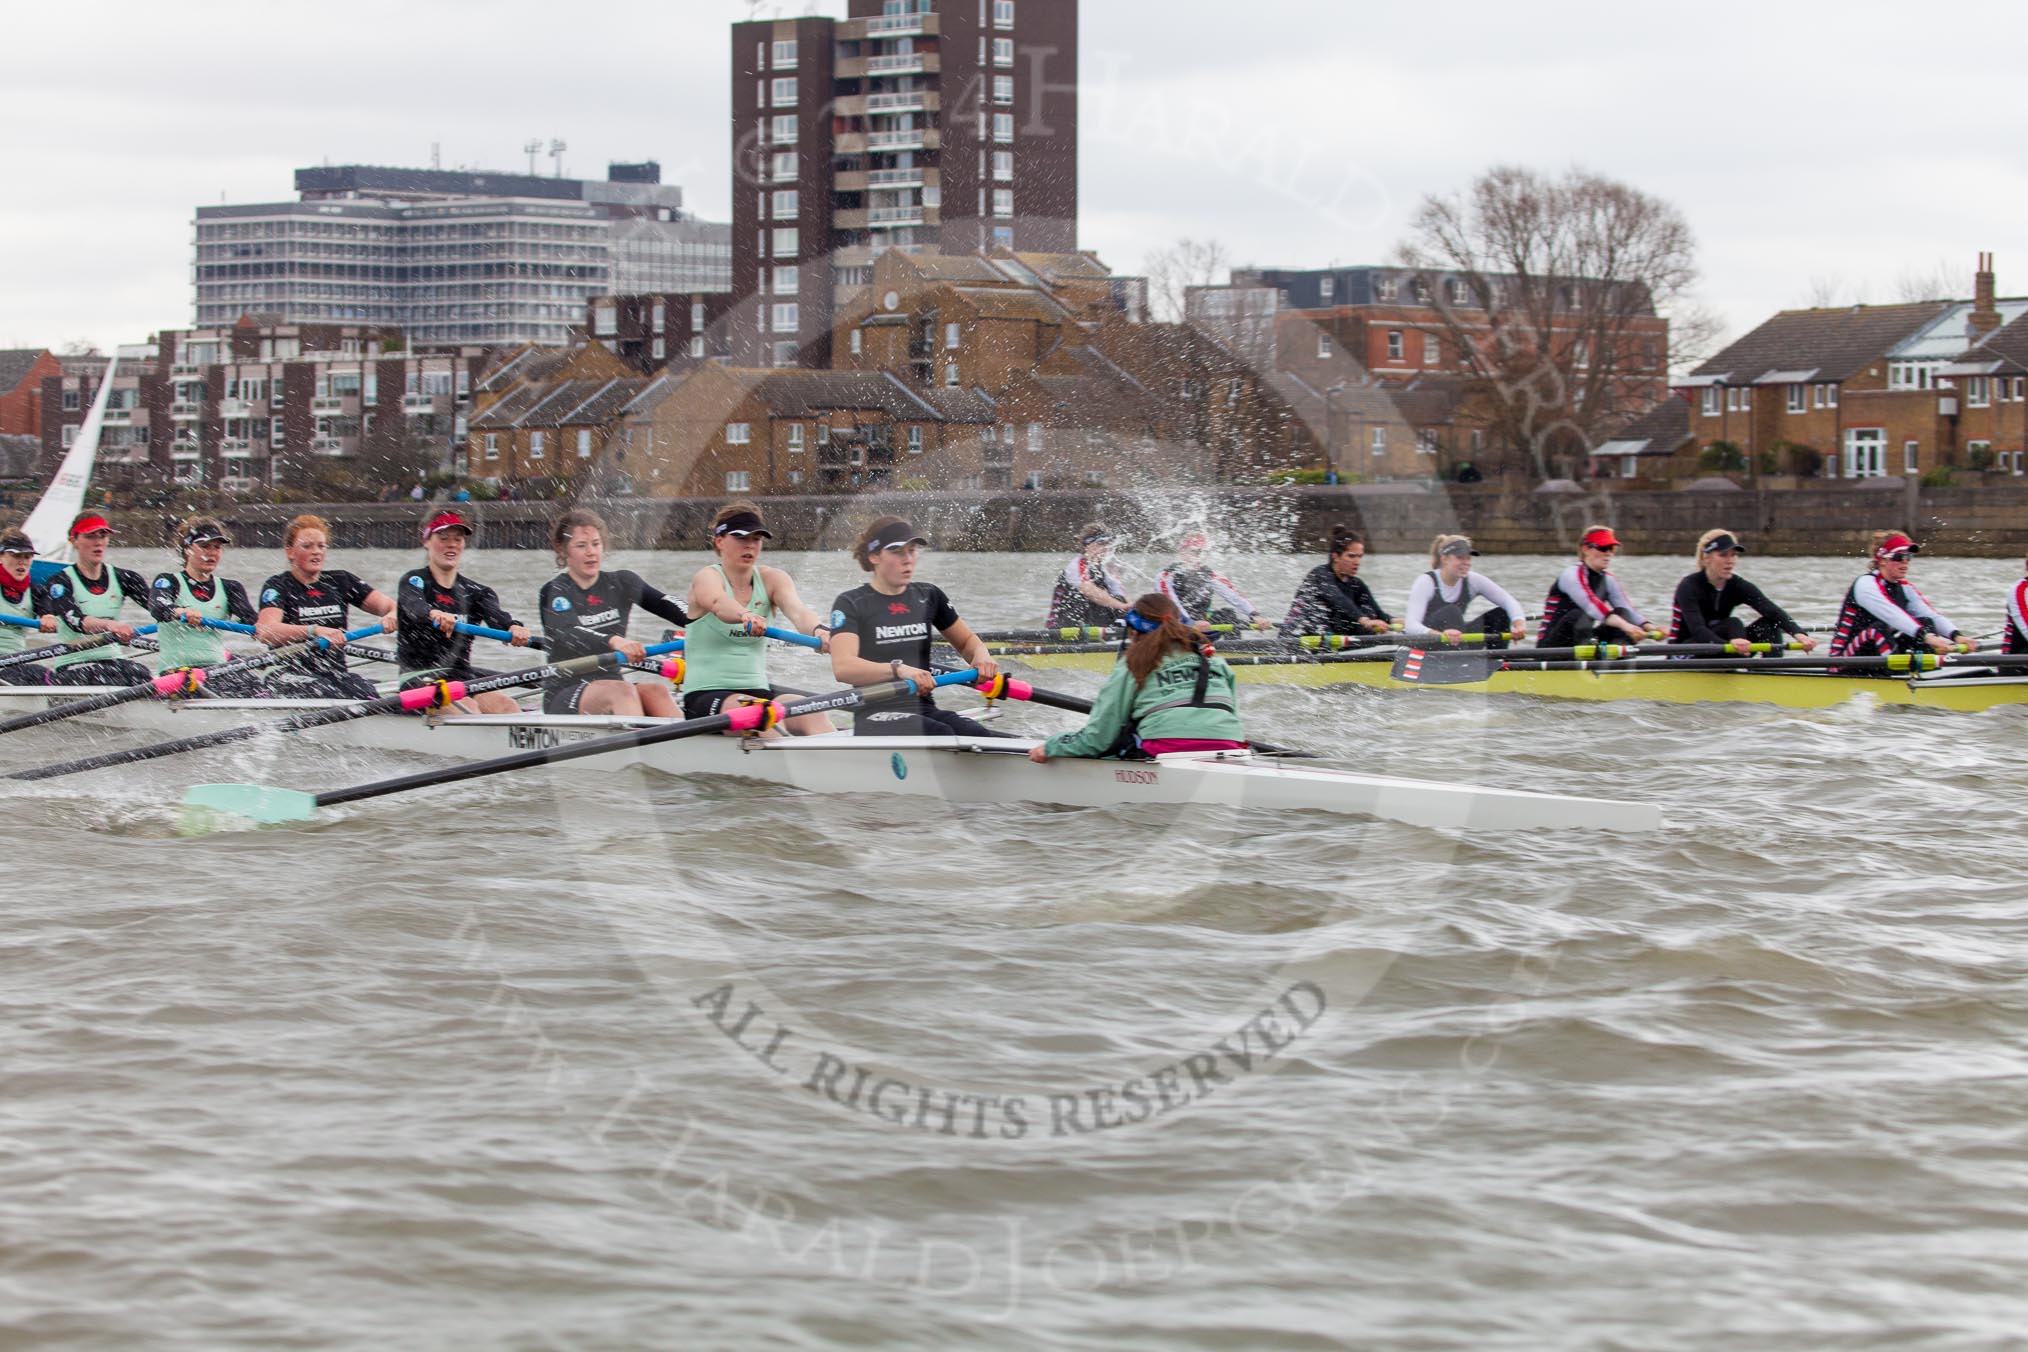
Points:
x=323 y=604
x=583 y=621
x=423 y=651
x=901 y=629
x=1703 y=613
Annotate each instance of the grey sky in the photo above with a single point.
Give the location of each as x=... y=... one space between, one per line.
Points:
x=1803 y=139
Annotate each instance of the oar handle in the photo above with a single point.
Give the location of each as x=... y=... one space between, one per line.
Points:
x=791 y=636
x=20 y=621
x=502 y=635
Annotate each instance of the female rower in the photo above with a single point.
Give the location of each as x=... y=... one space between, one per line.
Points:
x=86 y=598
x=881 y=632
x=735 y=600
x=182 y=599
x=1167 y=693
x=1085 y=592
x=1883 y=614
x=1586 y=600
x=2017 y=618
x=1706 y=599
x=585 y=610
x=434 y=600
x=20 y=597
x=1332 y=598
x=1439 y=599
x=310 y=601
x=1202 y=597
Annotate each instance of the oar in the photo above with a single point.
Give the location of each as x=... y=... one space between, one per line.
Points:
x=169 y=684
x=422 y=698
x=266 y=805
x=1472 y=668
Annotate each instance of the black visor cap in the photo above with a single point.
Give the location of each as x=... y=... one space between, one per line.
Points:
x=743 y=524
x=1720 y=543
x=894 y=537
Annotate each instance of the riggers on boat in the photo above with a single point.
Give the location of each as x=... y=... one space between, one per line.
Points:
x=1967 y=689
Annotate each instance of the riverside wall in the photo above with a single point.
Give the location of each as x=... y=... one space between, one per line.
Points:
x=1988 y=520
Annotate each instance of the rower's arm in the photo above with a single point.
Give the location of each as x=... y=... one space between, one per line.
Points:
x=971 y=648
x=708 y=596
x=1102 y=728
x=236 y=603
x=1099 y=596
x=269 y=629
x=1768 y=610
x=848 y=666
x=162 y=598
x=789 y=602
x=660 y=604
x=1419 y=596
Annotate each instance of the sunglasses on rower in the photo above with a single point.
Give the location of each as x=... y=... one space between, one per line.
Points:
x=1605 y=549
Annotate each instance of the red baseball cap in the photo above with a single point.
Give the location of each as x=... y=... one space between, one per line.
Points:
x=1600 y=537
x=444 y=521
x=1895 y=544
x=91 y=525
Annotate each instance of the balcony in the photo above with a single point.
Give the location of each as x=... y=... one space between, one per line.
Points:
x=186 y=371
x=889 y=217
x=235 y=408
x=186 y=410
x=852 y=218
x=915 y=139
x=845 y=143
x=913 y=102
x=184 y=450
x=907 y=63
x=849 y=180
x=892 y=178
x=900 y=25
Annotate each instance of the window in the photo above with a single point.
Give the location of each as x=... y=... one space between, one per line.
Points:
x=1630 y=466
x=1975 y=449
x=783 y=132
x=1003 y=89
x=953 y=333
x=1460 y=293
x=783 y=167
x=605 y=321
x=786 y=203
x=1325 y=288
x=1003 y=203
x=697 y=347
x=1978 y=392
x=1380 y=441
x=1865 y=452
x=696 y=314
x=1035 y=438
x=1825 y=396
x=1421 y=291
x=2019 y=393
x=786 y=243
x=535 y=445
x=1909 y=451
x=738 y=481
x=1003 y=128
x=1395 y=345
x=1432 y=350
x=661 y=348
x=738 y=434
x=858 y=341
x=786 y=280
x=69 y=434
x=823 y=434
x=1003 y=166
x=1425 y=441
x=660 y=319
x=70 y=399
x=1796 y=394
x=1386 y=289
x=1003 y=51
x=785 y=354
x=787 y=318
x=915 y=441
x=492 y=445
x=795 y=438
x=951 y=375
x=783 y=93
x=1324 y=348
x=785 y=55
x=1003 y=13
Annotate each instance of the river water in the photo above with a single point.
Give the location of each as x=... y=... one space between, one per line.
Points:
x=614 y=1059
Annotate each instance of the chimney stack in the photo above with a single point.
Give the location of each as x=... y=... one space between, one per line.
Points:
x=1985 y=316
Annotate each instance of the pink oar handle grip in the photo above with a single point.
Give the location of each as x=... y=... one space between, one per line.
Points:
x=1005 y=687
x=753 y=717
x=178 y=682
x=672 y=669
x=427 y=696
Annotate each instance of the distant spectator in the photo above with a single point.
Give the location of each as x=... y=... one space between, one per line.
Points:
x=463 y=494
x=416 y=494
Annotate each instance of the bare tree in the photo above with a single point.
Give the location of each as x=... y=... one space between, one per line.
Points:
x=1938 y=281
x=1551 y=291
x=1832 y=291
x=1173 y=271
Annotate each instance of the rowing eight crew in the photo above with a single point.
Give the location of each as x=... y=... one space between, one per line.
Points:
x=1880 y=613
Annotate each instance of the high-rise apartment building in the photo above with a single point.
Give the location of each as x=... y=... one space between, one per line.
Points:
x=452 y=257
x=926 y=125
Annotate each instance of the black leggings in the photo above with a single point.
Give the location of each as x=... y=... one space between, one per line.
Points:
x=1574 y=628
x=102 y=671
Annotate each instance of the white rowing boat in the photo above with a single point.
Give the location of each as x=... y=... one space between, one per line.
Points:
x=955 y=769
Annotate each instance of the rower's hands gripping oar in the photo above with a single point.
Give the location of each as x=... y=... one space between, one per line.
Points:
x=267 y=805
x=422 y=699
x=537 y=643
x=170 y=684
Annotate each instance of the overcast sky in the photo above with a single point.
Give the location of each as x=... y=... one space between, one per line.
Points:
x=1852 y=141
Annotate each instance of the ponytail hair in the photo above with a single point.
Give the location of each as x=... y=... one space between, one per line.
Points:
x=1343 y=537
x=1150 y=646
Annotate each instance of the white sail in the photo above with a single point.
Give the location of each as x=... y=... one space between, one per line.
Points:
x=49 y=524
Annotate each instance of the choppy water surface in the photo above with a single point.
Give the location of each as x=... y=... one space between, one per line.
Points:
x=613 y=1059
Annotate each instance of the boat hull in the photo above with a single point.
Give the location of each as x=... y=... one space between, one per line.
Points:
x=1790 y=689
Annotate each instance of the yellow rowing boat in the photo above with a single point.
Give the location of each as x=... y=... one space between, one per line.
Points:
x=1956 y=688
